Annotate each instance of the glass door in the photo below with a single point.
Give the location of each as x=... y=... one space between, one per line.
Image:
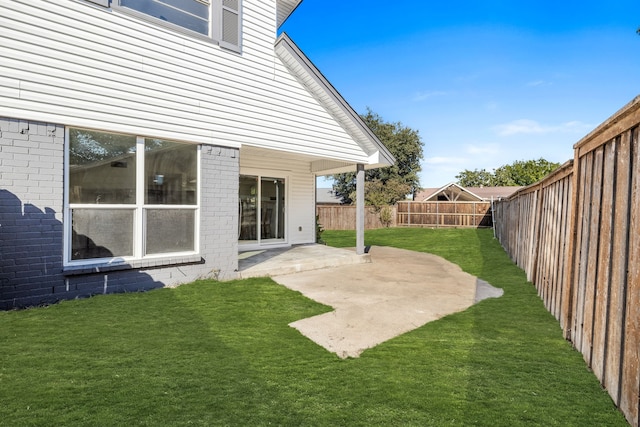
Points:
x=272 y=208
x=261 y=209
x=248 y=209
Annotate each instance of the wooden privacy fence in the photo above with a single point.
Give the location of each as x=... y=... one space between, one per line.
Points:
x=444 y=214
x=343 y=217
x=577 y=236
x=410 y=214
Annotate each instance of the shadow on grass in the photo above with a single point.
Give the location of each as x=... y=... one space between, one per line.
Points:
x=192 y=355
x=223 y=354
x=520 y=365
x=503 y=361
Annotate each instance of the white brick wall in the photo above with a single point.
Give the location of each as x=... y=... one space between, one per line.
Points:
x=31 y=202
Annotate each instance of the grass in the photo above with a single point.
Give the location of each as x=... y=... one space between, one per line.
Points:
x=213 y=353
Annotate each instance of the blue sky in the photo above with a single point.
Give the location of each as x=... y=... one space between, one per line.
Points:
x=485 y=83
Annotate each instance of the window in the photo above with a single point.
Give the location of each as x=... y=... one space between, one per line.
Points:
x=130 y=197
x=190 y=14
x=217 y=19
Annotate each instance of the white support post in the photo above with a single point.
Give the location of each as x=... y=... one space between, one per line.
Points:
x=360 y=209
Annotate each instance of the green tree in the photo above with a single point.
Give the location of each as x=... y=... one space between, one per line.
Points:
x=520 y=172
x=475 y=178
x=523 y=172
x=384 y=186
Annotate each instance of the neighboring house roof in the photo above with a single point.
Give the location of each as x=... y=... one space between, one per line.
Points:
x=285 y=8
x=455 y=192
x=325 y=196
x=494 y=192
x=319 y=87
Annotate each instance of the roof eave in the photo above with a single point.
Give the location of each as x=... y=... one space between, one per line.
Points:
x=284 y=9
x=460 y=189
x=322 y=90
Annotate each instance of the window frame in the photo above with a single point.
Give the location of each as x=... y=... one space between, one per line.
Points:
x=139 y=209
x=215 y=22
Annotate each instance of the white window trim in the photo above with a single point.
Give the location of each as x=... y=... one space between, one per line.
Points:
x=260 y=242
x=138 y=226
x=215 y=22
x=103 y=3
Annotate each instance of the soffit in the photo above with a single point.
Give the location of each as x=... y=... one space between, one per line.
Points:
x=320 y=88
x=316 y=165
x=284 y=9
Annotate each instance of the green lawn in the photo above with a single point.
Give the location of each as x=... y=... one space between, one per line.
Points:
x=214 y=353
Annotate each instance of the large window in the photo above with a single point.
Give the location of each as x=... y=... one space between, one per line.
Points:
x=130 y=197
x=217 y=19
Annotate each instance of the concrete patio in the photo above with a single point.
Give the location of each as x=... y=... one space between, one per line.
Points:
x=375 y=296
x=297 y=258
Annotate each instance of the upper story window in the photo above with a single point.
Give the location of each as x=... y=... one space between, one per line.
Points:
x=219 y=20
x=193 y=15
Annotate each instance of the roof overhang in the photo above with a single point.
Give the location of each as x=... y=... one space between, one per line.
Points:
x=319 y=87
x=284 y=9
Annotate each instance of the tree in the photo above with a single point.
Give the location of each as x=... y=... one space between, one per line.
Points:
x=524 y=172
x=519 y=172
x=475 y=178
x=385 y=186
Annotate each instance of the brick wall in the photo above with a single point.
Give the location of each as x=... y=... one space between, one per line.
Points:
x=31 y=198
x=31 y=230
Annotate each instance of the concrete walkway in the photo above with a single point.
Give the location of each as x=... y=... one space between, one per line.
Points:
x=383 y=295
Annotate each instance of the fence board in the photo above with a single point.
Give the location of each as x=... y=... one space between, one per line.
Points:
x=630 y=390
x=591 y=264
x=564 y=258
x=603 y=282
x=580 y=280
x=619 y=262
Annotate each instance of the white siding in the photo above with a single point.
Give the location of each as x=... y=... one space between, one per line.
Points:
x=300 y=183
x=77 y=64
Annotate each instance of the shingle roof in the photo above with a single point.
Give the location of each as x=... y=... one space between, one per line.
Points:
x=483 y=193
x=325 y=196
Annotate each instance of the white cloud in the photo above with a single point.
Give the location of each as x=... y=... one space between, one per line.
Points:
x=445 y=160
x=525 y=126
x=537 y=83
x=421 y=96
x=519 y=126
x=490 y=149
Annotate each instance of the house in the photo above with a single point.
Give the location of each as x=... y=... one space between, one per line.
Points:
x=144 y=143
x=326 y=197
x=453 y=192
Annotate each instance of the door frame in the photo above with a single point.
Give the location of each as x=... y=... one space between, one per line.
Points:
x=259 y=242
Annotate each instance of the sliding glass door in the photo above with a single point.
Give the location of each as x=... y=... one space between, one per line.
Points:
x=262 y=209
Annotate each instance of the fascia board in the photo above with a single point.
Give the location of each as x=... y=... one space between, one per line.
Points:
x=318 y=85
x=284 y=9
